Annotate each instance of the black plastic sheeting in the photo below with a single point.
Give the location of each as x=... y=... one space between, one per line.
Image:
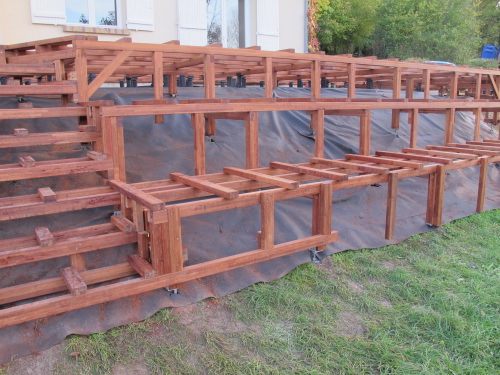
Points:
x=155 y=150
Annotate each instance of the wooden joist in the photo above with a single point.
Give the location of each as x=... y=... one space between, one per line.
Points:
x=386 y=161
x=336 y=176
x=261 y=177
x=207 y=186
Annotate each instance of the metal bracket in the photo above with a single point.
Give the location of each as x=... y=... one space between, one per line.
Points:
x=396 y=133
x=314 y=255
x=173 y=291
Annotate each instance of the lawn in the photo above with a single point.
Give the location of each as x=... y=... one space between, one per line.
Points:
x=429 y=305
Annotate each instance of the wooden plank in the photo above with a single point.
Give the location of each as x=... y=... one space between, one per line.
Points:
x=364 y=133
x=402 y=155
x=379 y=160
x=12 y=90
x=464 y=150
x=198 y=123
x=46 y=194
x=26 y=161
x=349 y=165
x=413 y=120
x=56 y=305
x=207 y=186
x=107 y=72
x=144 y=199
x=479 y=146
x=483 y=177
x=336 y=176
x=262 y=177
x=26 y=69
x=141 y=266
x=446 y=154
x=23 y=139
x=266 y=238
x=44 y=237
x=252 y=140
x=122 y=223
x=392 y=194
x=73 y=281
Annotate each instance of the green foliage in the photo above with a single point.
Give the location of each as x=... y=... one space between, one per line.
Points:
x=489 y=21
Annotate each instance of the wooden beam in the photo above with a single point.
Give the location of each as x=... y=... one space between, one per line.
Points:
x=73 y=281
x=402 y=155
x=262 y=177
x=107 y=72
x=413 y=120
x=252 y=140
x=141 y=266
x=144 y=199
x=379 y=160
x=349 y=165
x=392 y=194
x=309 y=171
x=266 y=237
x=44 y=237
x=198 y=123
x=207 y=186
x=364 y=132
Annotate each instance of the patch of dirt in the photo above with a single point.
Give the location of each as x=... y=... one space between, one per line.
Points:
x=388 y=265
x=209 y=316
x=38 y=364
x=386 y=303
x=349 y=325
x=137 y=369
x=354 y=286
x=328 y=266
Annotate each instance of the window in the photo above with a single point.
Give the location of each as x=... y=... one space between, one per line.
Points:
x=92 y=12
x=223 y=22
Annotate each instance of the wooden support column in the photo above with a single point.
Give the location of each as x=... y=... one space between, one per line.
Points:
x=483 y=176
x=410 y=86
x=316 y=79
x=198 y=123
x=322 y=212
x=413 y=114
x=173 y=242
x=392 y=195
x=118 y=149
x=478 y=89
x=449 y=126
x=431 y=195
x=268 y=77
x=351 y=80
x=252 y=140
x=318 y=125
x=477 y=124
x=60 y=75
x=158 y=81
x=172 y=85
x=426 y=83
x=396 y=94
x=364 y=133
x=439 y=196
x=81 y=76
x=454 y=85
x=266 y=234
x=209 y=83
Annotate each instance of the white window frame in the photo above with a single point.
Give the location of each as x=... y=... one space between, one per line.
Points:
x=92 y=16
x=224 y=21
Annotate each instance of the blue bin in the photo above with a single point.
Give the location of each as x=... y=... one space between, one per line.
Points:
x=489 y=52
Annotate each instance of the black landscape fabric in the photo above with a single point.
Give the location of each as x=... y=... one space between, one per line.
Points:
x=155 y=150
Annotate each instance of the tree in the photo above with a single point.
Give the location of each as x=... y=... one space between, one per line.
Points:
x=109 y=20
x=489 y=21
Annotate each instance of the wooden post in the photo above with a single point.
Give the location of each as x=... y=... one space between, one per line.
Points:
x=413 y=114
x=410 y=86
x=322 y=211
x=439 y=196
x=483 y=176
x=364 y=133
x=118 y=149
x=351 y=80
x=454 y=85
x=172 y=85
x=266 y=236
x=158 y=81
x=173 y=242
x=449 y=126
x=60 y=75
x=396 y=94
x=268 y=77
x=478 y=89
x=392 y=195
x=426 y=83
x=431 y=195
x=198 y=123
x=477 y=125
x=316 y=79
x=209 y=76
x=318 y=124
x=81 y=75
x=252 y=140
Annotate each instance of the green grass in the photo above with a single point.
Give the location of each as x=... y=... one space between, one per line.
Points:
x=429 y=305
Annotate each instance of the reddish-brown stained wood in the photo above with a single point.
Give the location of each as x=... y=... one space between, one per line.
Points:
x=208 y=186
x=122 y=223
x=47 y=195
x=198 y=123
x=318 y=125
x=466 y=151
x=73 y=281
x=316 y=79
x=351 y=80
x=431 y=195
x=364 y=133
x=402 y=155
x=439 y=196
x=392 y=194
x=262 y=177
x=480 y=146
x=252 y=140
x=26 y=161
x=322 y=212
x=145 y=199
x=44 y=237
x=413 y=120
x=426 y=82
x=266 y=238
x=379 y=160
x=349 y=165
x=209 y=76
x=158 y=81
x=449 y=126
x=268 y=77
x=483 y=176
x=95 y=155
x=309 y=171
x=141 y=266
x=446 y=154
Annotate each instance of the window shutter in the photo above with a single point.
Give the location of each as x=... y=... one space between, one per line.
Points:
x=140 y=15
x=48 y=11
x=268 y=22
x=192 y=21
